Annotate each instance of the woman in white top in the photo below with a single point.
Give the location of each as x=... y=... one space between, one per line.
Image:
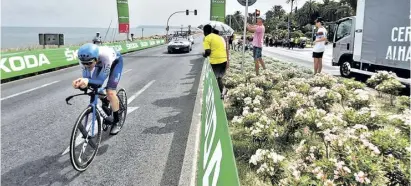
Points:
x=319 y=45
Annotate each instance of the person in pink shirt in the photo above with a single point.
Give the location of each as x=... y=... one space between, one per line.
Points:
x=258 y=41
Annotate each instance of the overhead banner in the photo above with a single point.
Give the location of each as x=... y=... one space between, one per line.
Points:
x=217 y=10
x=123 y=17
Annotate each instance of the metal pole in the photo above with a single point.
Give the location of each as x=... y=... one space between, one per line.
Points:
x=245 y=30
x=142 y=32
x=289 y=19
x=107 y=30
x=167 y=28
x=312 y=26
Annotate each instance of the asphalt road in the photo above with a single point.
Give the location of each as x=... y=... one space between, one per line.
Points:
x=36 y=124
x=302 y=57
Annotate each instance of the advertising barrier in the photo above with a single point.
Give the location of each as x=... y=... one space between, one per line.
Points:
x=216 y=163
x=15 y=64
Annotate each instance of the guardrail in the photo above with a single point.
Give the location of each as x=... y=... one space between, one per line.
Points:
x=216 y=163
x=21 y=63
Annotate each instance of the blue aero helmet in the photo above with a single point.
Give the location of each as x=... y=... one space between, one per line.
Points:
x=88 y=52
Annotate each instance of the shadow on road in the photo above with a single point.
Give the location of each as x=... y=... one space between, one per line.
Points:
x=45 y=171
x=178 y=124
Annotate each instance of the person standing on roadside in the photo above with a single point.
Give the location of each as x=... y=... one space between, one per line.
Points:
x=258 y=41
x=319 y=45
x=215 y=48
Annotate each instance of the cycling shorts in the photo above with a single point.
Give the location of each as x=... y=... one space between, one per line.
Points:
x=115 y=73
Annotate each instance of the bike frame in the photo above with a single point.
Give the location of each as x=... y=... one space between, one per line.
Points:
x=94 y=104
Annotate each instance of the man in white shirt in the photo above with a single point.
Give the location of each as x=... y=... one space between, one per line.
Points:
x=319 y=45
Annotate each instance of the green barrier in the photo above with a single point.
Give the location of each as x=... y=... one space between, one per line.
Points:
x=15 y=64
x=216 y=164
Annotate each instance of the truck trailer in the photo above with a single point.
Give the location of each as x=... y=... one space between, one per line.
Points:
x=377 y=38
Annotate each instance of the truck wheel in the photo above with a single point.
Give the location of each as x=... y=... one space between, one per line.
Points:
x=345 y=69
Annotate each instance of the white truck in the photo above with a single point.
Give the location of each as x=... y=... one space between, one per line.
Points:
x=377 y=38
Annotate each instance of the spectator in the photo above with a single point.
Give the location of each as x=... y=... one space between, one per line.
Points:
x=319 y=45
x=230 y=41
x=132 y=37
x=266 y=41
x=215 y=48
x=258 y=40
x=97 y=39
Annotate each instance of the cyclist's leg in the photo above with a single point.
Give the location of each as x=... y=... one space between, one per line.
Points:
x=112 y=83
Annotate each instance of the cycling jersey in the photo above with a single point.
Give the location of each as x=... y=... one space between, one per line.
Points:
x=110 y=64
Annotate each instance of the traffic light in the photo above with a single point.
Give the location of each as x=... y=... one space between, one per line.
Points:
x=257 y=13
x=187 y=12
x=195 y=12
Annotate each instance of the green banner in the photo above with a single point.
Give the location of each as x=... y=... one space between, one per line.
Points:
x=122 y=11
x=123 y=16
x=216 y=165
x=15 y=64
x=217 y=10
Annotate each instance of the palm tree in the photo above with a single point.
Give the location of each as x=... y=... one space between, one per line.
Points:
x=306 y=13
x=289 y=16
x=333 y=11
x=352 y=4
x=237 y=21
x=278 y=11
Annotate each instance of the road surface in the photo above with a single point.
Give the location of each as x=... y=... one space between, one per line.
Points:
x=36 y=124
x=302 y=57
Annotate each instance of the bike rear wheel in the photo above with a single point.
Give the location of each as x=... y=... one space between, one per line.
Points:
x=122 y=96
x=83 y=131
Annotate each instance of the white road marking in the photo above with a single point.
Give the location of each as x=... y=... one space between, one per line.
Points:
x=29 y=90
x=140 y=91
x=128 y=70
x=78 y=139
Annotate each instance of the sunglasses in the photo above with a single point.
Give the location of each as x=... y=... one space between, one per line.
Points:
x=88 y=63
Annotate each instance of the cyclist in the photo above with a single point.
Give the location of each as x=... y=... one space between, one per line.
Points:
x=98 y=63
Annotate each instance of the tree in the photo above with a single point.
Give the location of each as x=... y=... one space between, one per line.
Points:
x=352 y=4
x=237 y=21
x=278 y=10
x=307 y=13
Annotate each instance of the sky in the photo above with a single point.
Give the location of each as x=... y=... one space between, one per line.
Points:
x=99 y=13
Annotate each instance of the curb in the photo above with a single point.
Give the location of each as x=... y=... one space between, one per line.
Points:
x=188 y=175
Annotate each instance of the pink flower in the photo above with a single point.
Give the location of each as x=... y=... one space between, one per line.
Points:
x=361 y=177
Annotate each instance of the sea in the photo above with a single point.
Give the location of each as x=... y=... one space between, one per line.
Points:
x=18 y=37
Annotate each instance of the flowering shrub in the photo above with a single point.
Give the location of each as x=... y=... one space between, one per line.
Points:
x=352 y=84
x=325 y=98
x=359 y=99
x=402 y=103
x=233 y=80
x=380 y=77
x=323 y=80
x=270 y=164
x=291 y=103
x=391 y=87
x=328 y=130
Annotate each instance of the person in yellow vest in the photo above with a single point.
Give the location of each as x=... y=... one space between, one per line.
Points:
x=215 y=49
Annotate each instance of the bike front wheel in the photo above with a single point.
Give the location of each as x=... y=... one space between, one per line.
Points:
x=122 y=96
x=89 y=136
